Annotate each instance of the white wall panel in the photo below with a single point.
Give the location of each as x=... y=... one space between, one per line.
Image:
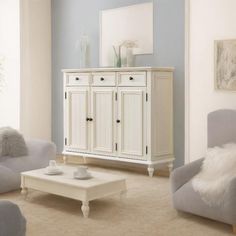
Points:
x=36 y=68
x=10 y=50
x=209 y=20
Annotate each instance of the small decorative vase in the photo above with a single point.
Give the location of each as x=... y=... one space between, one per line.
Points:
x=118 y=62
x=117 y=57
x=129 y=57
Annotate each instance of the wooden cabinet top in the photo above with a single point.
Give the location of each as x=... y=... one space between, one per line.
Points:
x=120 y=69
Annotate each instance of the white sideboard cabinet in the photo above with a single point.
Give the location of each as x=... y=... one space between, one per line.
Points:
x=120 y=114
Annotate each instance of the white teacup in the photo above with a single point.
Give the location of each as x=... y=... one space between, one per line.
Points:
x=82 y=171
x=52 y=165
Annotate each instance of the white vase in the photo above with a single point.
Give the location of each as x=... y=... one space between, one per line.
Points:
x=129 y=57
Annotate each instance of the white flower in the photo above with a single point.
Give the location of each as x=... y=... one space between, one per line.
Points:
x=129 y=44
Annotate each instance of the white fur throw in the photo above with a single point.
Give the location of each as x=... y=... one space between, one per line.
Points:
x=218 y=169
x=12 y=143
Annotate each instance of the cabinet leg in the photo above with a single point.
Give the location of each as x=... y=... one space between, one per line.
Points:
x=170 y=167
x=85 y=209
x=151 y=170
x=65 y=159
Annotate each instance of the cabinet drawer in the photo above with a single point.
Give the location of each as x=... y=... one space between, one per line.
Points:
x=132 y=79
x=78 y=79
x=104 y=79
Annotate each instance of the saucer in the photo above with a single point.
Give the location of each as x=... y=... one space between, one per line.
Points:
x=87 y=176
x=54 y=171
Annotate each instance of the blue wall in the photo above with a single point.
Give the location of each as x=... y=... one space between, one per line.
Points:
x=71 y=18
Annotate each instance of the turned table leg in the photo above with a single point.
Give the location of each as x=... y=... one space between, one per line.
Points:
x=65 y=160
x=24 y=191
x=85 y=209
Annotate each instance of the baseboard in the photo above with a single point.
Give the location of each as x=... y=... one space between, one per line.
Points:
x=77 y=160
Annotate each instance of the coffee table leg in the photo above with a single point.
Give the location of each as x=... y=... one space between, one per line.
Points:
x=24 y=191
x=85 y=209
x=65 y=160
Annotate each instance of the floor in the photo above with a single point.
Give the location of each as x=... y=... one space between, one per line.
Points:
x=146 y=210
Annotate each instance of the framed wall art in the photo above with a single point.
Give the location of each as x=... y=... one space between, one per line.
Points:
x=225 y=65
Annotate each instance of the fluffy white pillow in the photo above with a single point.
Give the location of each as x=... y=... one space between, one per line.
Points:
x=218 y=169
x=12 y=143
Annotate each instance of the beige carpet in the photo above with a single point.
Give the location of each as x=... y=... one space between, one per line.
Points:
x=145 y=211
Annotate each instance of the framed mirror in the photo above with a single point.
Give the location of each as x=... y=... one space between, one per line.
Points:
x=132 y=23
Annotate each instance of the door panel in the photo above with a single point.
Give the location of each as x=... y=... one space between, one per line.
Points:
x=77 y=125
x=132 y=126
x=103 y=114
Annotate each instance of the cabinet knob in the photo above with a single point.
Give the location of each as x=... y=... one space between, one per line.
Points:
x=77 y=78
x=117 y=121
x=90 y=119
x=87 y=119
x=131 y=78
x=102 y=79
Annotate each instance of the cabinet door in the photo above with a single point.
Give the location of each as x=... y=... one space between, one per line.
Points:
x=77 y=110
x=132 y=123
x=103 y=114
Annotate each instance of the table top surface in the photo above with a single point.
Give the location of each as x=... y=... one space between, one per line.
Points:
x=97 y=178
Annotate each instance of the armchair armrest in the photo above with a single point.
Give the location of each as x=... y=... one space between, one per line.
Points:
x=40 y=152
x=183 y=174
x=41 y=148
x=229 y=207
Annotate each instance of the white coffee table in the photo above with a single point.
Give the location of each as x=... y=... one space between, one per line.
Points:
x=99 y=186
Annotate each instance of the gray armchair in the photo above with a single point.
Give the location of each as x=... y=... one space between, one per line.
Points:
x=12 y=222
x=39 y=154
x=221 y=130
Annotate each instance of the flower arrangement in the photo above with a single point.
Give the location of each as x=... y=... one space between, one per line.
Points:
x=129 y=45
